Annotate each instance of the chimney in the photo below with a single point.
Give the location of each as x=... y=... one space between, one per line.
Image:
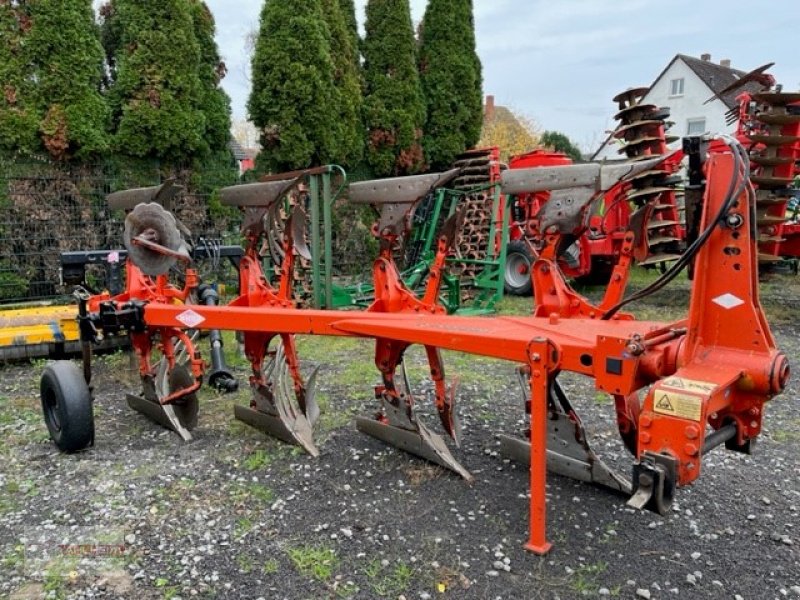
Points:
x=705 y=57
x=725 y=62
x=488 y=109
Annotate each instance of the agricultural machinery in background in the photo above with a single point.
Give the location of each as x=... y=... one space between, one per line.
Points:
x=768 y=125
x=472 y=282
x=680 y=388
x=652 y=198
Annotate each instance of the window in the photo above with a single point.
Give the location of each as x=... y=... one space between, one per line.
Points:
x=676 y=87
x=695 y=126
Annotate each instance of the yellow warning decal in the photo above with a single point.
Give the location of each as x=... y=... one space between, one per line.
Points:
x=676 y=404
x=690 y=385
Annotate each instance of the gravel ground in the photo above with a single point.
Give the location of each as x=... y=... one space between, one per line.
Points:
x=236 y=515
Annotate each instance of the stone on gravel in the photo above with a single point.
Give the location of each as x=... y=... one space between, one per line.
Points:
x=643 y=593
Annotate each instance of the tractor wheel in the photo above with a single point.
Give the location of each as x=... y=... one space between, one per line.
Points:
x=67 y=406
x=599 y=275
x=517 y=273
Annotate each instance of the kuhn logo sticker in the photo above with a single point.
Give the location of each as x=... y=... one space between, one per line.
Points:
x=190 y=318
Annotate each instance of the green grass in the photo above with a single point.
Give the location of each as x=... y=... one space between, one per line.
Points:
x=247 y=493
x=270 y=567
x=584 y=579
x=242 y=527
x=389 y=581
x=317 y=562
x=14 y=558
x=245 y=563
x=258 y=459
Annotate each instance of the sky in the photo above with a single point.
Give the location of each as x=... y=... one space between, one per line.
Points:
x=559 y=62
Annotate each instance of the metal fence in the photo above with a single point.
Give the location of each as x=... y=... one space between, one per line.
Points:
x=48 y=208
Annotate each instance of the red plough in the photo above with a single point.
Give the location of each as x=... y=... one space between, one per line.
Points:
x=682 y=388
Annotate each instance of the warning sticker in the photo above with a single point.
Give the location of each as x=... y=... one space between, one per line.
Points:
x=692 y=385
x=677 y=404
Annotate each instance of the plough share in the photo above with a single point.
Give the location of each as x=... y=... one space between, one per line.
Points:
x=680 y=388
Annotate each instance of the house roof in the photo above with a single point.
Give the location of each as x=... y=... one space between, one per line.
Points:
x=717 y=77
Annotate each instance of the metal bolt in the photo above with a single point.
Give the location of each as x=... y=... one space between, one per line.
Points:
x=734 y=220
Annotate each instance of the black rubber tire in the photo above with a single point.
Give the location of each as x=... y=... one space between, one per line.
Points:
x=600 y=273
x=518 y=255
x=67 y=406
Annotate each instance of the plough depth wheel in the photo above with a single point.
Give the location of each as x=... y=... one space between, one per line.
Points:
x=67 y=406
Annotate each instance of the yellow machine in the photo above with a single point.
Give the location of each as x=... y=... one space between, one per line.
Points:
x=40 y=330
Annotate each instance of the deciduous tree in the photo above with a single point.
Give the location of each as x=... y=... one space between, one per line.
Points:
x=561 y=143
x=511 y=131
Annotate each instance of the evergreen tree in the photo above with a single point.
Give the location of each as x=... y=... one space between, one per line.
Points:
x=347 y=79
x=294 y=102
x=110 y=39
x=214 y=102
x=156 y=89
x=348 y=9
x=64 y=50
x=394 y=111
x=450 y=73
x=561 y=143
x=18 y=119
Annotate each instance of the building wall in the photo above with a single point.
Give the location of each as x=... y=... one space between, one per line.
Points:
x=682 y=108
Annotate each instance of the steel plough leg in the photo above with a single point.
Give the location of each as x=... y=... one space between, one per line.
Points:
x=397 y=423
x=540 y=354
x=271 y=409
x=569 y=453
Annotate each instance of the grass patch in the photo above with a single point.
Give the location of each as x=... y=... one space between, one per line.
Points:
x=270 y=567
x=584 y=580
x=245 y=563
x=249 y=492
x=242 y=527
x=788 y=434
x=515 y=306
x=388 y=581
x=317 y=562
x=603 y=399
x=258 y=459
